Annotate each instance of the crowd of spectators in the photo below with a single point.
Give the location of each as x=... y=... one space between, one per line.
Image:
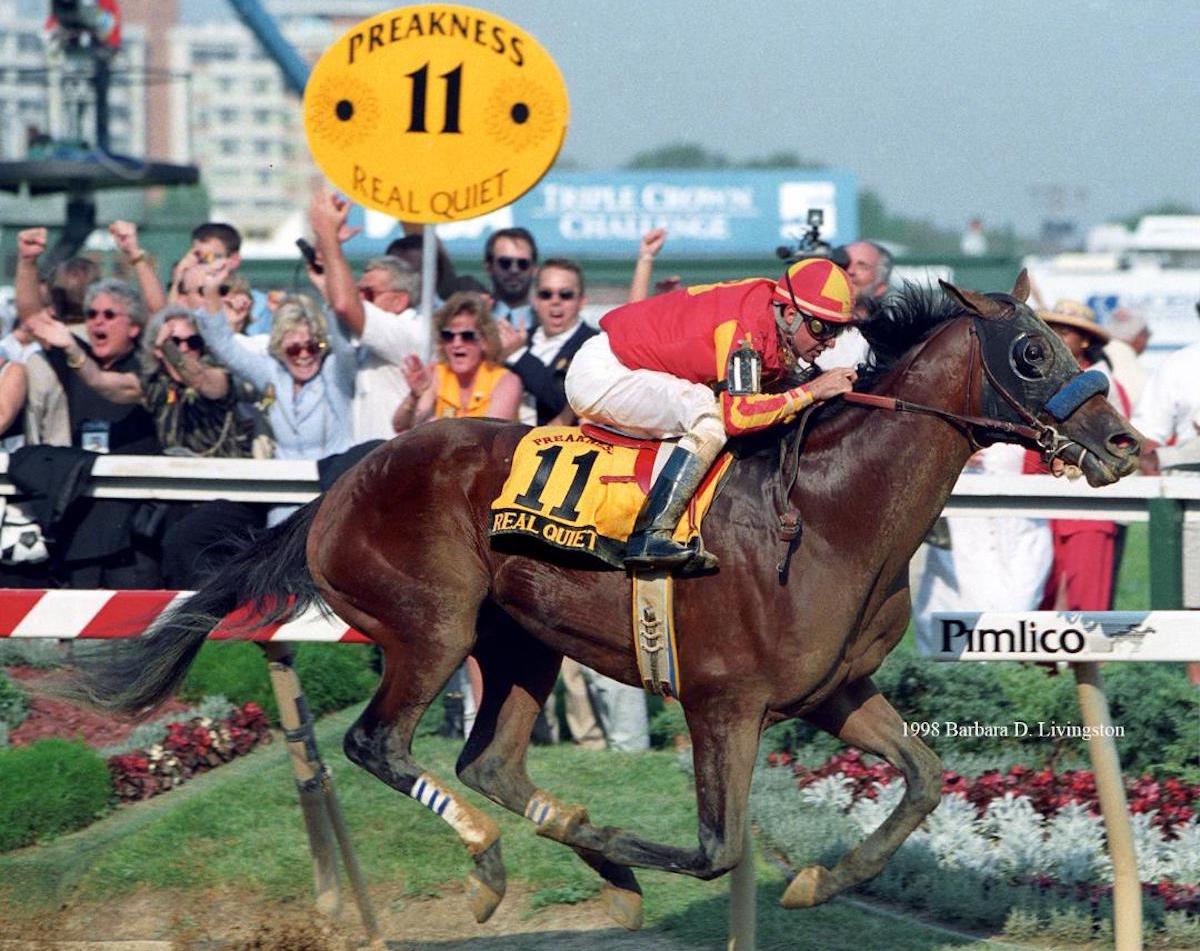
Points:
x=204 y=365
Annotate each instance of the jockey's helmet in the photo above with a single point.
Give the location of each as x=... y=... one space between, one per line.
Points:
x=815 y=287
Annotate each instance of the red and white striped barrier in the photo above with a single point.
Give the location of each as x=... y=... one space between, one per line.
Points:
x=118 y=614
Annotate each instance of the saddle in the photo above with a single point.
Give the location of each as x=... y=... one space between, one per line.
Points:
x=577 y=491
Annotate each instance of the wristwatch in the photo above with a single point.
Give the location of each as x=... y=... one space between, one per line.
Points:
x=76 y=363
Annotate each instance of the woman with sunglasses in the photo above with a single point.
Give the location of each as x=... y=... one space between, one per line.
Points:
x=307 y=374
x=693 y=363
x=190 y=396
x=466 y=380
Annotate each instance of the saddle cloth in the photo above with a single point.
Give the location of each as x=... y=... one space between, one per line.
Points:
x=579 y=489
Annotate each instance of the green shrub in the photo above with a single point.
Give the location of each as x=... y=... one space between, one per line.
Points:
x=667 y=724
x=335 y=676
x=1154 y=703
x=1020 y=925
x=48 y=788
x=332 y=676
x=14 y=703
x=1158 y=707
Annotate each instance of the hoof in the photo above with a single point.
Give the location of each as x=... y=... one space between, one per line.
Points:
x=811 y=886
x=486 y=884
x=482 y=899
x=329 y=902
x=623 y=906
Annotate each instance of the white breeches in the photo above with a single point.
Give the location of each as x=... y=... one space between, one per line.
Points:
x=644 y=403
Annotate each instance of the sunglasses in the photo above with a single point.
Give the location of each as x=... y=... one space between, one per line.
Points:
x=820 y=329
x=108 y=313
x=506 y=263
x=468 y=336
x=545 y=294
x=195 y=342
x=312 y=348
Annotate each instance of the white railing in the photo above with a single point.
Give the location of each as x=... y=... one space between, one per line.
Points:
x=278 y=480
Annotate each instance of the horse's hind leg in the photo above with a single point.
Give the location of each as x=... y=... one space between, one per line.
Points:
x=725 y=730
x=380 y=741
x=861 y=716
x=518 y=675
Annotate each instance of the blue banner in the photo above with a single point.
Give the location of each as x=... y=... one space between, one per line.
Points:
x=707 y=214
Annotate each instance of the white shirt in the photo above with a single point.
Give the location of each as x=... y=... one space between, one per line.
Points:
x=12 y=348
x=1170 y=404
x=546 y=350
x=379 y=385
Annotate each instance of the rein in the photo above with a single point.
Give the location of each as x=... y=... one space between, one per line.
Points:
x=1046 y=437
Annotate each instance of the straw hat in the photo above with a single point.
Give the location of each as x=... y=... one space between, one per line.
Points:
x=1076 y=315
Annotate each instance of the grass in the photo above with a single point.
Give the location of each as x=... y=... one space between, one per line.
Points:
x=1133 y=578
x=240 y=828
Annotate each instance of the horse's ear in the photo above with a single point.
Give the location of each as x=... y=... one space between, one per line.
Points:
x=1021 y=288
x=981 y=304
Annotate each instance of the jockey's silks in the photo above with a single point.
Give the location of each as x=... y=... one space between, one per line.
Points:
x=690 y=333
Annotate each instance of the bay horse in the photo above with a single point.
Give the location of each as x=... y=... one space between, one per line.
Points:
x=398 y=548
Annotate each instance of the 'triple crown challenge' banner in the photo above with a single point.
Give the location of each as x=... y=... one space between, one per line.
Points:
x=604 y=214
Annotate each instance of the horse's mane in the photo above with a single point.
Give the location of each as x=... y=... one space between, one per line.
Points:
x=897 y=322
x=893 y=325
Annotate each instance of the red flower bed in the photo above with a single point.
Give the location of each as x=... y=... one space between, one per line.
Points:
x=53 y=718
x=1174 y=800
x=189 y=748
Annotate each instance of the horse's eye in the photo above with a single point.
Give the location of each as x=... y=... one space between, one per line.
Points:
x=1031 y=358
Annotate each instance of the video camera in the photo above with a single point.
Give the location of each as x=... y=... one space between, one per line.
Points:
x=810 y=244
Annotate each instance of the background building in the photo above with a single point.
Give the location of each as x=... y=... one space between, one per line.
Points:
x=235 y=117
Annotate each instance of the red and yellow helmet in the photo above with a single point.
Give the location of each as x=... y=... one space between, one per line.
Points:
x=816 y=287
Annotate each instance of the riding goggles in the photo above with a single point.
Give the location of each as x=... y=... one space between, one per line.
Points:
x=820 y=329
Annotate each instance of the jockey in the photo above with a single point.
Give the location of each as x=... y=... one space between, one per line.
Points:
x=690 y=363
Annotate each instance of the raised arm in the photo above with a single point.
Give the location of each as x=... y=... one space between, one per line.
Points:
x=417 y=407
x=113 y=386
x=327 y=214
x=652 y=243
x=27 y=290
x=125 y=235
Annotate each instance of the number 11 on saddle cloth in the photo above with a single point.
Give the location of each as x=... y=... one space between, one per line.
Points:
x=579 y=490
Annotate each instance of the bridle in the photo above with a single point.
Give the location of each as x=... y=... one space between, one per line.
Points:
x=982 y=431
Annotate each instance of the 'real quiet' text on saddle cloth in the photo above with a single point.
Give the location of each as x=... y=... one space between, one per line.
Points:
x=579 y=490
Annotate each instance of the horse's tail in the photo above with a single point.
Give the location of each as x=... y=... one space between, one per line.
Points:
x=270 y=572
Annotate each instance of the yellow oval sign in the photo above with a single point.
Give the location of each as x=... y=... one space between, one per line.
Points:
x=435 y=113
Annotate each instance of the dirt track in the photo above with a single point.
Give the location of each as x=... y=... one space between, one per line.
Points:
x=152 y=922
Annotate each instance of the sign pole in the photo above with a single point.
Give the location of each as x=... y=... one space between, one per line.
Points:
x=428 y=271
x=1127 y=891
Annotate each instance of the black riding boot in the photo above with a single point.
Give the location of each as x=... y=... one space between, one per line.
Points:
x=651 y=545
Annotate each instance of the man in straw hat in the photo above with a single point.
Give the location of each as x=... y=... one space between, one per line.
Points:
x=1085 y=551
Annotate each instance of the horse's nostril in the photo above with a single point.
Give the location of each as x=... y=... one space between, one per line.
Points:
x=1123 y=444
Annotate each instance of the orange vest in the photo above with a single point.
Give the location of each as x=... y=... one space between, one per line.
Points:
x=450 y=397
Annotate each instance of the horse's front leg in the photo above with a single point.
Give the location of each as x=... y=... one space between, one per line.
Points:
x=861 y=716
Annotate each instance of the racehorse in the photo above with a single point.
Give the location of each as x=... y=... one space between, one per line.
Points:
x=398 y=548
